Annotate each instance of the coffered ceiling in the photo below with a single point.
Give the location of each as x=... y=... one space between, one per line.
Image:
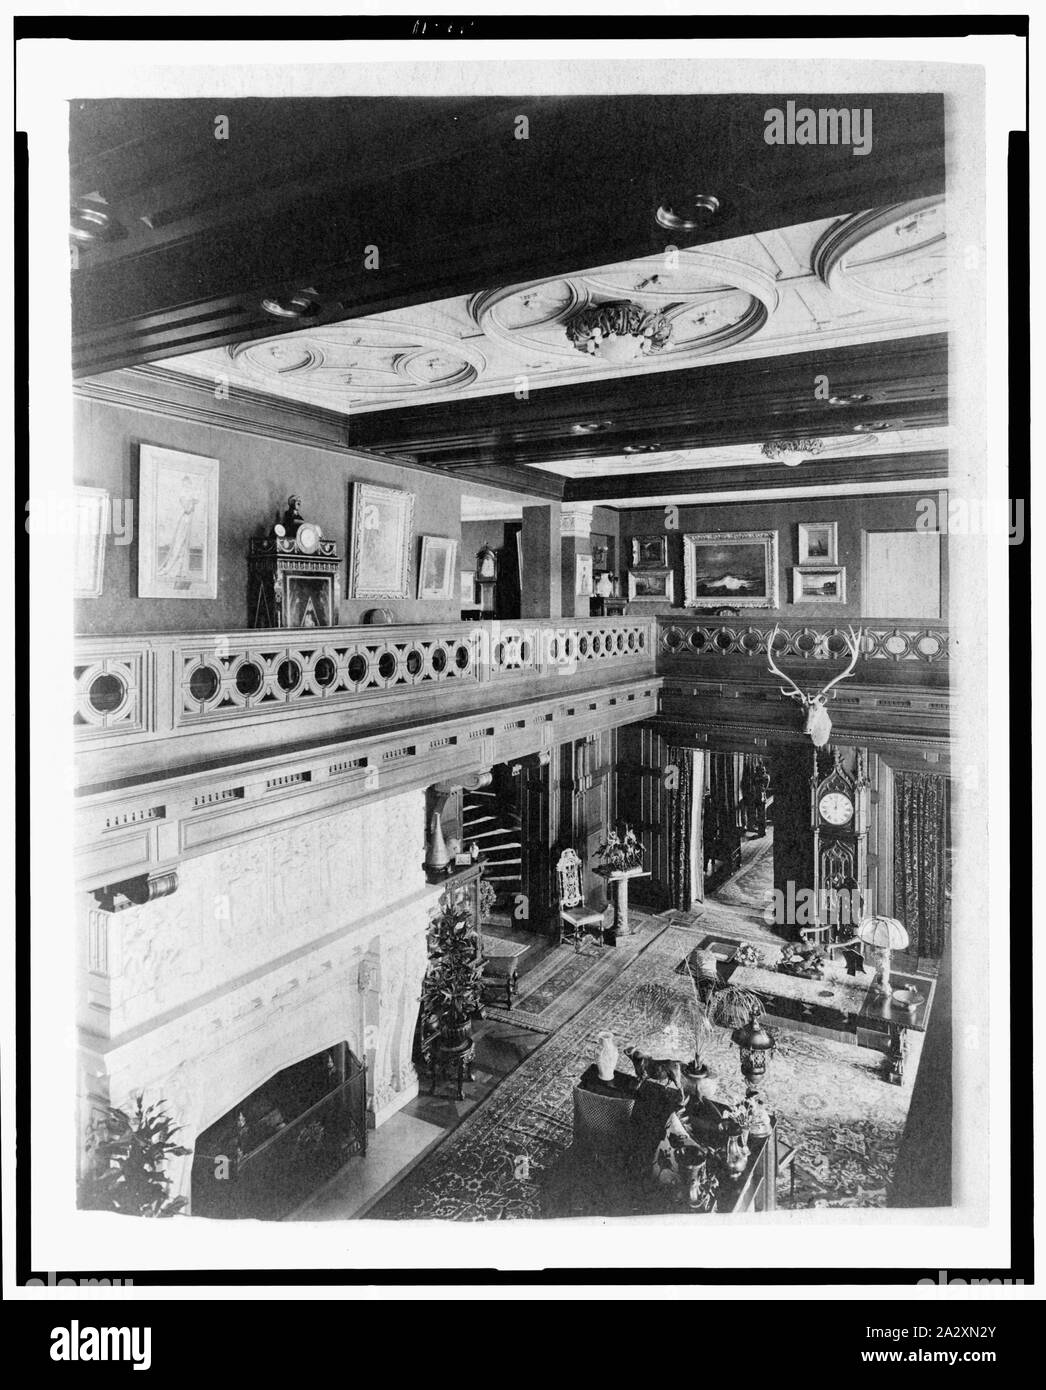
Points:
x=787 y=292
x=854 y=279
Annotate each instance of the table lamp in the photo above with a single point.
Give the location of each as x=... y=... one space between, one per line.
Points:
x=884 y=934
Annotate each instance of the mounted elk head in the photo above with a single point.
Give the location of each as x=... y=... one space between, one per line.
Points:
x=818 y=725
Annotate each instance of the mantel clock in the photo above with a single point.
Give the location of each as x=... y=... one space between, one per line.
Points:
x=294 y=574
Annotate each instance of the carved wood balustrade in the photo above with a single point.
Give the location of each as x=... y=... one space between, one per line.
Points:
x=135 y=691
x=891 y=642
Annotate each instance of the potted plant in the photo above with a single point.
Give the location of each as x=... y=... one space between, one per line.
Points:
x=128 y=1161
x=451 y=991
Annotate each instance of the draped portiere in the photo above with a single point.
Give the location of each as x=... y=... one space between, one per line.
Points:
x=679 y=809
x=920 y=872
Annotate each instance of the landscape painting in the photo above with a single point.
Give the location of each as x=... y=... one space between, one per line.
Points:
x=737 y=569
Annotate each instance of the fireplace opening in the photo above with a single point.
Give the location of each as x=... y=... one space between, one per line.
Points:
x=274 y=1150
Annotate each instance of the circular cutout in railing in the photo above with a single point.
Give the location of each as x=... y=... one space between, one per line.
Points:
x=386 y=666
x=672 y=637
x=462 y=658
x=930 y=645
x=751 y=642
x=837 y=644
x=106 y=693
x=248 y=678
x=697 y=639
x=805 y=641
x=582 y=646
x=415 y=661
x=204 y=683
x=724 y=639
x=597 y=644
x=439 y=659
x=288 y=675
x=325 y=672
x=357 y=668
x=524 y=651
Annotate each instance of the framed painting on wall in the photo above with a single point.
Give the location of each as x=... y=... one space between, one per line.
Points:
x=92 y=525
x=819 y=584
x=177 y=524
x=651 y=586
x=583 y=576
x=649 y=552
x=382 y=520
x=738 y=568
x=818 y=542
x=438 y=565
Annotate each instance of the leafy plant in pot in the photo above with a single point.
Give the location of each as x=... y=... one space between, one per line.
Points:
x=452 y=988
x=128 y=1161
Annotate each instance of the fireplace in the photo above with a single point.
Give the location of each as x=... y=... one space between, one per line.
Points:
x=271 y=1152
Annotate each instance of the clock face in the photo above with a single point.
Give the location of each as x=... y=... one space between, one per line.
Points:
x=836 y=808
x=308 y=537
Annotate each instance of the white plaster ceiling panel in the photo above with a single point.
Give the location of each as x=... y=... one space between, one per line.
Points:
x=747 y=455
x=877 y=274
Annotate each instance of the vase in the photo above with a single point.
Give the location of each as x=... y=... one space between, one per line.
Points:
x=606 y=1061
x=698 y=1195
x=736 y=1155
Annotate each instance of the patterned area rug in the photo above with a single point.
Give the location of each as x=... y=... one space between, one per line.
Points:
x=753 y=884
x=566 y=980
x=829 y=1099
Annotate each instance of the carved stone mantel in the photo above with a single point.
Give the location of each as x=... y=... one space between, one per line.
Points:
x=267 y=954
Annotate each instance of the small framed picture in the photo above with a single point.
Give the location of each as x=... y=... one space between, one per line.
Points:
x=651 y=586
x=178 y=524
x=819 y=584
x=439 y=562
x=92 y=525
x=583 y=576
x=818 y=542
x=649 y=552
x=467 y=580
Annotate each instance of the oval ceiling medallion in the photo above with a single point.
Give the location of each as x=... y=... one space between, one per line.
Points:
x=710 y=301
x=895 y=256
x=356 y=360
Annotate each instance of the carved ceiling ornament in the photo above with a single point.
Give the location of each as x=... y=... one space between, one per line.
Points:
x=895 y=255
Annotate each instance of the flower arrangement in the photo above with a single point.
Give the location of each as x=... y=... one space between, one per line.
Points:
x=747 y=954
x=619 y=853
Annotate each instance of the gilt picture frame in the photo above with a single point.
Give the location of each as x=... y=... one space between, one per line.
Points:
x=818 y=543
x=92 y=527
x=380 y=531
x=651 y=586
x=819 y=584
x=730 y=568
x=437 y=567
x=650 y=552
x=177 y=524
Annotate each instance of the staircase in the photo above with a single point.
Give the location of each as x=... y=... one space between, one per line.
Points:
x=487 y=823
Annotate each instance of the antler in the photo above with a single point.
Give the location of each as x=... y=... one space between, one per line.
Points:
x=795 y=693
x=855 y=639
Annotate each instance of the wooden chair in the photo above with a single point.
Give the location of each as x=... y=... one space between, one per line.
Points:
x=575 y=916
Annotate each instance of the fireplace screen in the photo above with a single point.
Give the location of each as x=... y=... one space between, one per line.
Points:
x=275 y=1149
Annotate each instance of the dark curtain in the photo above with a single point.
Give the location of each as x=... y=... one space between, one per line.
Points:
x=679 y=809
x=920 y=873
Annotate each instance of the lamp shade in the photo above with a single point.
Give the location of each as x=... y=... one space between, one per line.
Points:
x=884 y=933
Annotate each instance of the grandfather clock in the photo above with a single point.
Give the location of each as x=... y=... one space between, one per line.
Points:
x=839 y=815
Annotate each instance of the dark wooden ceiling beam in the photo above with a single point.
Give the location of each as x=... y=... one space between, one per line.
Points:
x=903 y=380
x=816 y=472
x=204 y=229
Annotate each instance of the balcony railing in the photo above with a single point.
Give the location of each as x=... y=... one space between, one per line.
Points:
x=140 y=687
x=891 y=643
